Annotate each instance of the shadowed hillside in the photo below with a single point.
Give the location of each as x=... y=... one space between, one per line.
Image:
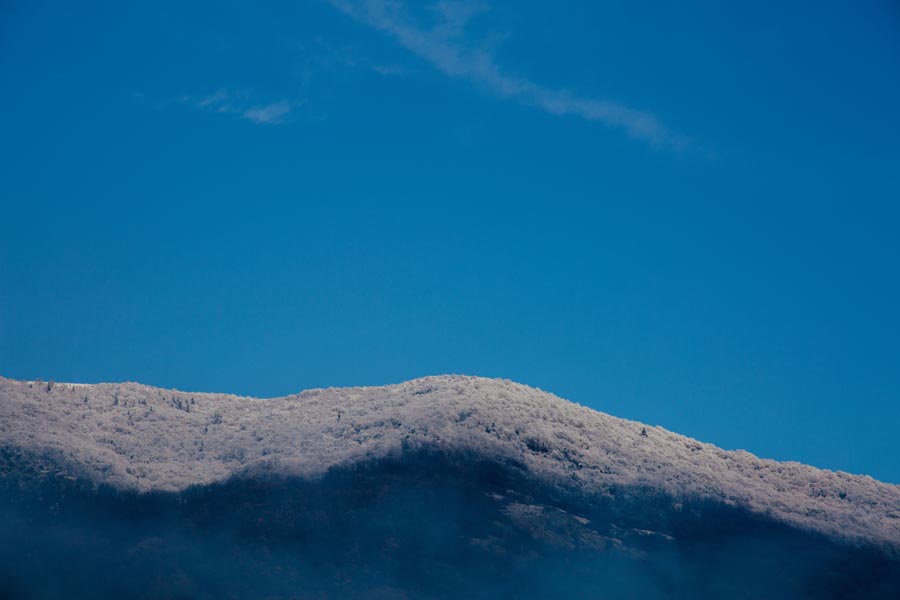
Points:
x=428 y=525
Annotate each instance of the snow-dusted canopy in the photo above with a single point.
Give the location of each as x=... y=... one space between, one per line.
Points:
x=138 y=437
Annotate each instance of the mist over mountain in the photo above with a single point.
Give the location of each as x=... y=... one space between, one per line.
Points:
x=441 y=487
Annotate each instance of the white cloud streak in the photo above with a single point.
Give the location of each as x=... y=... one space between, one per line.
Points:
x=274 y=113
x=239 y=104
x=444 y=44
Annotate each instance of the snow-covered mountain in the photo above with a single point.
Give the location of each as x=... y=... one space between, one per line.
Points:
x=135 y=437
x=441 y=487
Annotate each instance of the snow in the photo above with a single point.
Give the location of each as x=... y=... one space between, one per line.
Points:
x=143 y=438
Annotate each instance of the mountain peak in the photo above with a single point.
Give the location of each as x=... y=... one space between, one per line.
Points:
x=136 y=437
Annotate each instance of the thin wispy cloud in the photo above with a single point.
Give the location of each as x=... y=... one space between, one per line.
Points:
x=239 y=104
x=274 y=113
x=443 y=42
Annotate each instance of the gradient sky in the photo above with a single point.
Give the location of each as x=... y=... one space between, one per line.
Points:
x=686 y=214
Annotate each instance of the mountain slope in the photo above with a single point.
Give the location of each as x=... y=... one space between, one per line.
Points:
x=138 y=438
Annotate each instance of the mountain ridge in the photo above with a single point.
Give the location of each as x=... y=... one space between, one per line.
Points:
x=141 y=438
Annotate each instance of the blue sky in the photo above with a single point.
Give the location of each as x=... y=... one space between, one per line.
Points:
x=686 y=215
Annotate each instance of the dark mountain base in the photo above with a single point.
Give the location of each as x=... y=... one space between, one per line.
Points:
x=427 y=526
